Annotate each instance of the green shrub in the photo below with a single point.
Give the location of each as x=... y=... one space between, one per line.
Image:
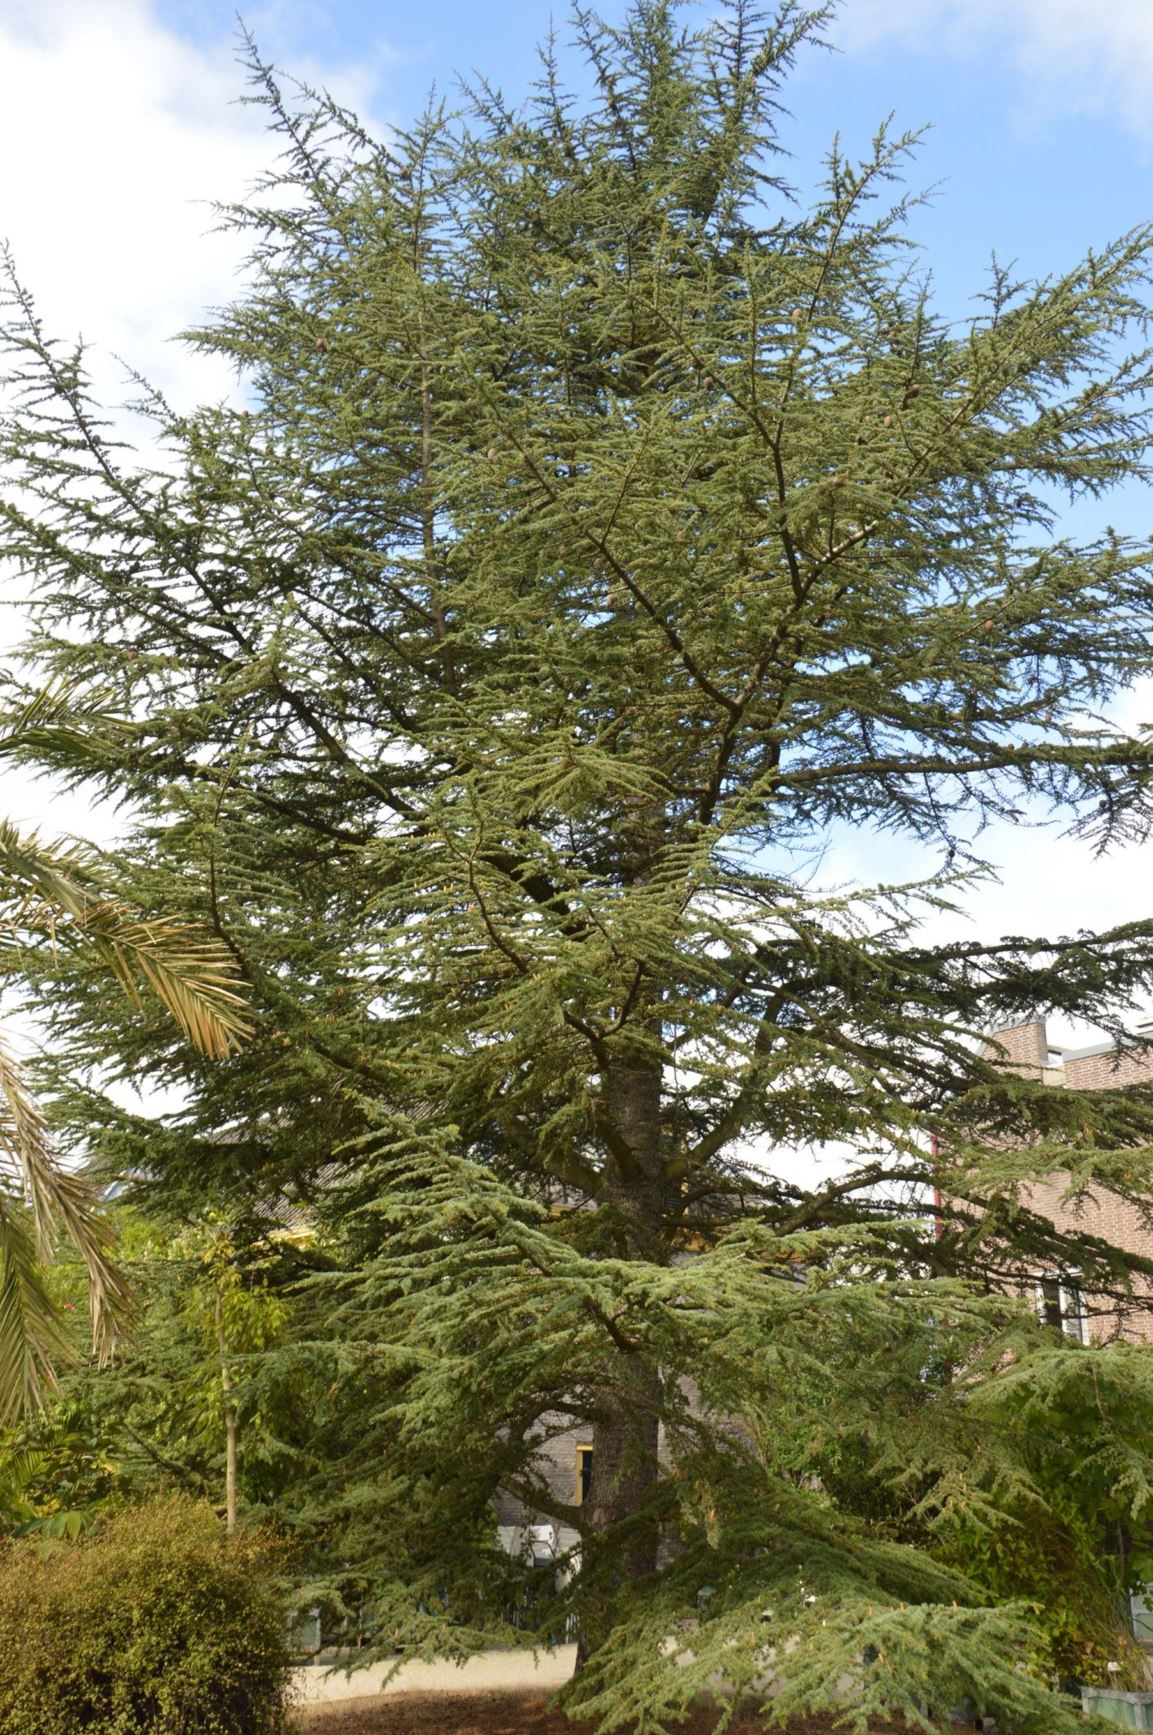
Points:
x=153 y=1624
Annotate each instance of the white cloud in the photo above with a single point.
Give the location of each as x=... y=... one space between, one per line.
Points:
x=1086 y=56
x=116 y=134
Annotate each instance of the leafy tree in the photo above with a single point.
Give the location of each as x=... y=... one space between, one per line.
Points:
x=1036 y=1509
x=187 y=1403
x=57 y=1474
x=601 y=533
x=233 y=1314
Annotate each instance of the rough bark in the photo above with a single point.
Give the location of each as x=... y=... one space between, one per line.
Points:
x=621 y=1536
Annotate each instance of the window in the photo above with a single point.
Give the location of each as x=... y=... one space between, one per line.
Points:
x=541 y=1540
x=1061 y=1305
x=1141 y=1614
x=584 y=1473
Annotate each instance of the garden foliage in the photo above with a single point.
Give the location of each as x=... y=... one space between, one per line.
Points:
x=153 y=1621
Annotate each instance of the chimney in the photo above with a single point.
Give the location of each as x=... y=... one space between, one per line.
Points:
x=1024 y=1047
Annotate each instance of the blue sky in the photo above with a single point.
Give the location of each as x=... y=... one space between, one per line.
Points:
x=1039 y=140
x=117 y=116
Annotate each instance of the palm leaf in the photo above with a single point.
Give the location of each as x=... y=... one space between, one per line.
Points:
x=51 y=727
x=32 y=1337
x=55 y=888
x=39 y=1201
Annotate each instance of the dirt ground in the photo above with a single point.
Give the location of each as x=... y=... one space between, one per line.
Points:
x=496 y=1714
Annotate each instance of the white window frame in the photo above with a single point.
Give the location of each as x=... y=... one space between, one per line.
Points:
x=1070 y=1304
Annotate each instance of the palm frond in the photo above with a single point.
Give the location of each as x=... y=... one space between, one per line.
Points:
x=33 y=1341
x=52 y=727
x=55 y=888
x=39 y=1201
x=192 y=976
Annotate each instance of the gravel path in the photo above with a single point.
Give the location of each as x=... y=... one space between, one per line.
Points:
x=502 y=1714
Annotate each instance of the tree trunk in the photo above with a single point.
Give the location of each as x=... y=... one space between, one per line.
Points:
x=230 y=1422
x=621 y=1541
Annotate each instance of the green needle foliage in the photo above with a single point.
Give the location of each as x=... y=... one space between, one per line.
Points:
x=602 y=533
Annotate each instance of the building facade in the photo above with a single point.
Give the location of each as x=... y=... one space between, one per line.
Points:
x=1026 y=1049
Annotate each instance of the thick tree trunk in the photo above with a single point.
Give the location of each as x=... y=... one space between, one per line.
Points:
x=621 y=1539
x=633 y=1183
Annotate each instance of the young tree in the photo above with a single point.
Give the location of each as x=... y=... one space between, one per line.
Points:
x=602 y=531
x=192 y=1400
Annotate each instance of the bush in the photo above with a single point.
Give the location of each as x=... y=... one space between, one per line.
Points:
x=153 y=1624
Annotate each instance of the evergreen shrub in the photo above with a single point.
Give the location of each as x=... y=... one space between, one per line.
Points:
x=156 y=1622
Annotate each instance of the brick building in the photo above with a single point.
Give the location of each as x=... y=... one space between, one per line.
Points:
x=1026 y=1049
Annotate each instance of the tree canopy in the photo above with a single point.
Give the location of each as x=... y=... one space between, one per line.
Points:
x=600 y=529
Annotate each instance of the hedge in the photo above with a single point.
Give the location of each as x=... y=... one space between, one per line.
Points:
x=154 y=1623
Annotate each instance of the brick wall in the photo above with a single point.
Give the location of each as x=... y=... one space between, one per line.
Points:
x=1101 y=1213
x=1023 y=1047
x=1108 y=1070
x=1121 y=1224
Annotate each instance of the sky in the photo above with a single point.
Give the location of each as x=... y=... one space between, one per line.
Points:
x=120 y=122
